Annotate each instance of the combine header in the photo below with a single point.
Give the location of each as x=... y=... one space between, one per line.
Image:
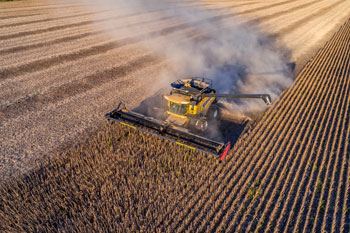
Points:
x=191 y=108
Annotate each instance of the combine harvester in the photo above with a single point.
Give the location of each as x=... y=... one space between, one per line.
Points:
x=191 y=107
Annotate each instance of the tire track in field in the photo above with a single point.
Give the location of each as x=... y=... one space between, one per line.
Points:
x=94 y=50
x=23 y=7
x=10 y=72
x=54 y=6
x=73 y=56
x=59 y=27
x=283 y=12
x=295 y=25
x=254 y=10
x=50 y=29
x=66 y=26
x=42 y=9
x=67 y=17
x=75 y=87
x=9 y=109
x=234 y=6
x=18 y=16
x=72 y=38
x=48 y=43
x=45 y=63
x=50 y=19
x=59 y=59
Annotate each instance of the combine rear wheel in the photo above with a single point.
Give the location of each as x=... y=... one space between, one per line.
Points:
x=213 y=113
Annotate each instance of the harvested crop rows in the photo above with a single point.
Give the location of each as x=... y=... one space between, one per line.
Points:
x=288 y=172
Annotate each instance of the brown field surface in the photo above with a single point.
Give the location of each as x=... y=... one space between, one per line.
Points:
x=63 y=168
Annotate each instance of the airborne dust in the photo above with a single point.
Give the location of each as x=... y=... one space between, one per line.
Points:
x=198 y=41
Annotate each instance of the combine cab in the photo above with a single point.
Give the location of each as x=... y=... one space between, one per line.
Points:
x=191 y=108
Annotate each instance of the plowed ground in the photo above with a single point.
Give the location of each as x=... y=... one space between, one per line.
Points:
x=59 y=75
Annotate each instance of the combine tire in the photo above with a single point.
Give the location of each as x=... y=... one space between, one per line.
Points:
x=213 y=113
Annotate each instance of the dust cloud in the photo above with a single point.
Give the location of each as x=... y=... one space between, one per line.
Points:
x=197 y=41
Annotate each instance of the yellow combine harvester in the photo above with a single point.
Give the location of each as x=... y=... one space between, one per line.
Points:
x=190 y=109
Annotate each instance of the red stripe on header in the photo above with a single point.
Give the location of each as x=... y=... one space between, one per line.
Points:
x=226 y=151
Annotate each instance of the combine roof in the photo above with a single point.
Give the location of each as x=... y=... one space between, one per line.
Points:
x=193 y=85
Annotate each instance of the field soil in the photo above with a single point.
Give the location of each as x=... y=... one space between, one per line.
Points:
x=61 y=71
x=63 y=168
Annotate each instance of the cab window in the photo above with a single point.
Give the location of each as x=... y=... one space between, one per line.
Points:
x=176 y=108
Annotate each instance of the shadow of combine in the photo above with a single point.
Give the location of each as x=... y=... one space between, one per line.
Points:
x=231 y=130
